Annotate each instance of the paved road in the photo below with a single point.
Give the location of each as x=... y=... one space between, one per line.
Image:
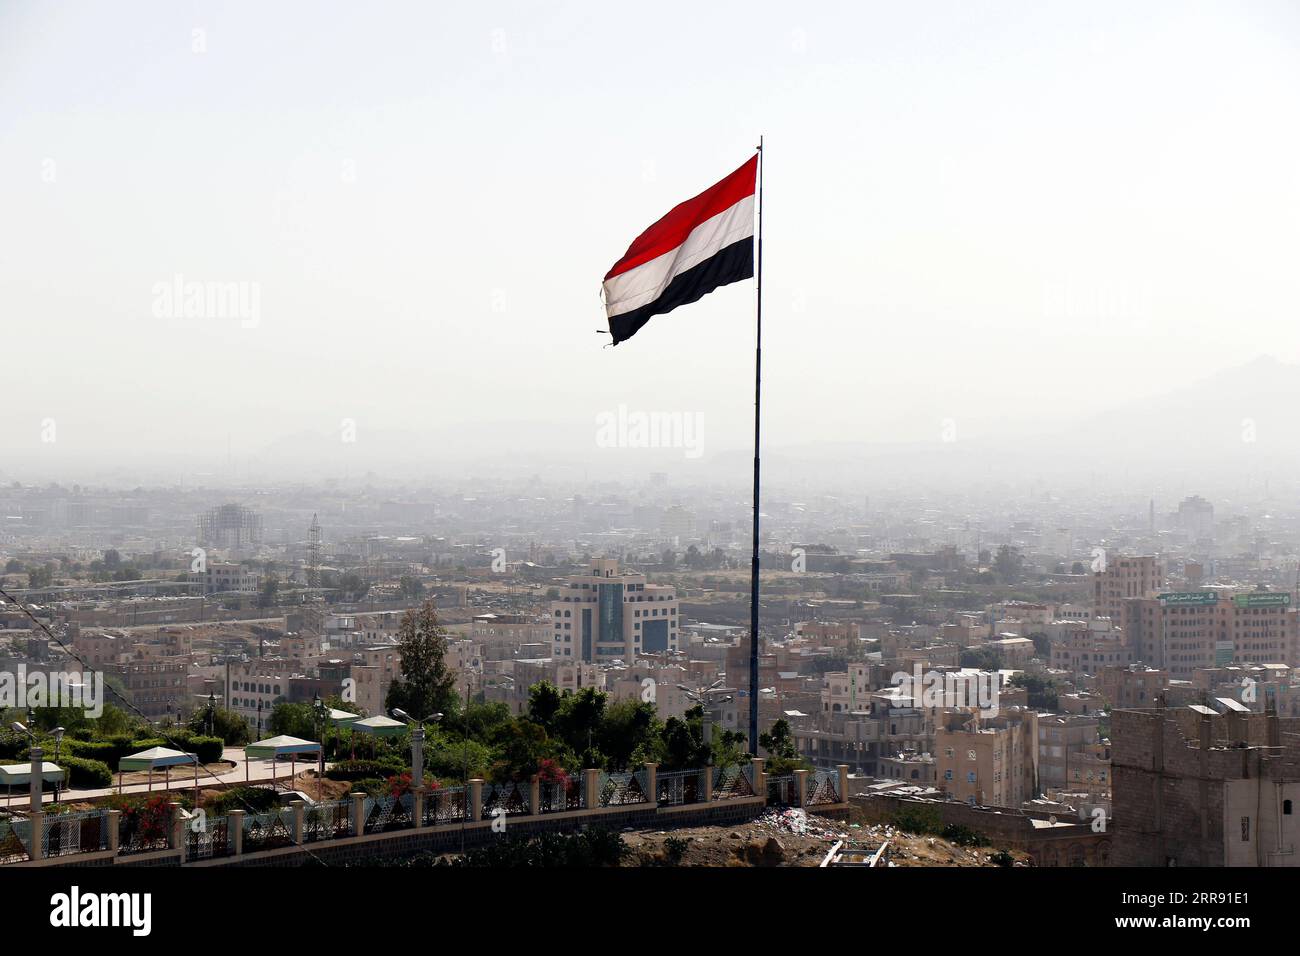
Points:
x=182 y=778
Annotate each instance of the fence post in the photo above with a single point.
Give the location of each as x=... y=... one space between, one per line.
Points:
x=591 y=787
x=176 y=834
x=652 y=783
x=114 y=830
x=760 y=779
x=297 y=806
x=534 y=796
x=37 y=850
x=844 y=782
x=801 y=788
x=708 y=784
x=475 y=800
x=358 y=814
x=417 y=806
x=235 y=827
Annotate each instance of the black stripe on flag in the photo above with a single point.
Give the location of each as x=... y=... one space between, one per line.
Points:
x=731 y=264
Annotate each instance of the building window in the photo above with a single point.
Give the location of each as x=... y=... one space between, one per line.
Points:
x=1245 y=829
x=1286 y=807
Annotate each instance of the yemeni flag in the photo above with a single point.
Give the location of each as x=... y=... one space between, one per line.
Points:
x=702 y=244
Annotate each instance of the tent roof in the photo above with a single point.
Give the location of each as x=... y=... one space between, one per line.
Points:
x=342 y=716
x=379 y=725
x=273 y=747
x=14 y=774
x=154 y=758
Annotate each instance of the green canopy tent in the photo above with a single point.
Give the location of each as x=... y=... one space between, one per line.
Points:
x=153 y=759
x=273 y=748
x=341 y=718
x=20 y=774
x=379 y=726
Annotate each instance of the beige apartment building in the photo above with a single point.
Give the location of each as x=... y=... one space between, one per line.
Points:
x=1085 y=647
x=1131 y=687
x=991 y=762
x=1063 y=742
x=1125 y=578
x=1183 y=631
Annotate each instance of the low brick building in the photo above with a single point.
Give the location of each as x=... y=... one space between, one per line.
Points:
x=1205 y=786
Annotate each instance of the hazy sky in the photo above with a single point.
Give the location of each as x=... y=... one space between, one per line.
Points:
x=999 y=213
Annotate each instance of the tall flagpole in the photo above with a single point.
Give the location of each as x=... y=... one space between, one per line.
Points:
x=758 y=378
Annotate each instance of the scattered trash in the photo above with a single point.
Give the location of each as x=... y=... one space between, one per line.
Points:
x=798 y=822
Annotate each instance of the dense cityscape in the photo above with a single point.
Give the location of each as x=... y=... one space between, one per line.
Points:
x=1094 y=638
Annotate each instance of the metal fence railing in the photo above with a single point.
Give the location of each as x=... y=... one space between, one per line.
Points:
x=268 y=831
x=823 y=788
x=510 y=797
x=567 y=793
x=69 y=833
x=209 y=838
x=383 y=814
x=445 y=805
x=621 y=789
x=142 y=829
x=15 y=838
x=679 y=787
x=329 y=820
x=732 y=782
x=782 y=790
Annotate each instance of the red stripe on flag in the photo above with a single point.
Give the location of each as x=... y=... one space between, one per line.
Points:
x=671 y=231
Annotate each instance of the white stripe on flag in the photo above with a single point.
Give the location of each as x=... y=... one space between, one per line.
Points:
x=647 y=282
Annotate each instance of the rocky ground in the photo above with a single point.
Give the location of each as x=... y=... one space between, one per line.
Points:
x=793 y=838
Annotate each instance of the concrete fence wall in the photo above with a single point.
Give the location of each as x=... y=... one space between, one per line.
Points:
x=710 y=809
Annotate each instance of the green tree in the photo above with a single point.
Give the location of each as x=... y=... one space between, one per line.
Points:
x=778 y=741
x=353 y=586
x=1009 y=564
x=627 y=728
x=984 y=658
x=411 y=587
x=296 y=720
x=544 y=704
x=270 y=591
x=578 y=720
x=226 y=724
x=427 y=685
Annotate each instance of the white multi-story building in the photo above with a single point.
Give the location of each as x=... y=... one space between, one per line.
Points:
x=609 y=615
x=220 y=577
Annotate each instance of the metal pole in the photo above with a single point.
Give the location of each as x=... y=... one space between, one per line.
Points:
x=36 y=767
x=417 y=756
x=758 y=378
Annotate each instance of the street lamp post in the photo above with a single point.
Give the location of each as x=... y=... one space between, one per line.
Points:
x=212 y=713
x=417 y=742
x=58 y=742
x=35 y=768
x=322 y=714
